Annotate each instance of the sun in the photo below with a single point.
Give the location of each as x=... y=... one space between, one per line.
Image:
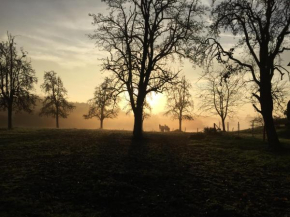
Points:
x=157 y=102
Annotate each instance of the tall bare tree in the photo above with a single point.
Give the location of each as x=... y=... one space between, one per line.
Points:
x=221 y=96
x=140 y=36
x=179 y=102
x=16 y=79
x=262 y=29
x=104 y=104
x=55 y=103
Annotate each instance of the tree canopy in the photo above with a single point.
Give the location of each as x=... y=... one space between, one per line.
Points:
x=17 y=78
x=55 y=103
x=179 y=102
x=104 y=104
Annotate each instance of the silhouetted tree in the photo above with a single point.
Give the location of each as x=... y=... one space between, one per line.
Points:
x=287 y=112
x=55 y=103
x=221 y=96
x=104 y=104
x=140 y=37
x=16 y=79
x=262 y=29
x=179 y=102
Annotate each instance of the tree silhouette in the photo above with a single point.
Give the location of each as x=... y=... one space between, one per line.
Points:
x=104 y=104
x=55 y=103
x=287 y=112
x=179 y=102
x=262 y=29
x=140 y=37
x=221 y=96
x=16 y=79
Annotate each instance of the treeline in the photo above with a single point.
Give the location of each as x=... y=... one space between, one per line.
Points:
x=144 y=39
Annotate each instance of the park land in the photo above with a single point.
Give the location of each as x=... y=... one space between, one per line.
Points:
x=46 y=172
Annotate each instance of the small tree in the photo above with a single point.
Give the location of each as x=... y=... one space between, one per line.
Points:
x=179 y=102
x=16 y=80
x=55 y=103
x=221 y=96
x=104 y=104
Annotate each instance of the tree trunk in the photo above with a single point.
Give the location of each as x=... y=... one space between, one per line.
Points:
x=266 y=101
x=56 y=119
x=223 y=124
x=180 y=124
x=138 y=120
x=9 y=117
x=101 y=123
x=271 y=133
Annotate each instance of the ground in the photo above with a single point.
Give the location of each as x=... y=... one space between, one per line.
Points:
x=105 y=173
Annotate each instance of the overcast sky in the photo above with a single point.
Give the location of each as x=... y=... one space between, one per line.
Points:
x=54 y=32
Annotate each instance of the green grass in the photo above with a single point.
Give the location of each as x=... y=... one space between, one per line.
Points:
x=105 y=173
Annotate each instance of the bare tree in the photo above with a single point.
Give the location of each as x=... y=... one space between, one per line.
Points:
x=179 y=102
x=221 y=96
x=140 y=36
x=16 y=80
x=104 y=104
x=55 y=103
x=262 y=29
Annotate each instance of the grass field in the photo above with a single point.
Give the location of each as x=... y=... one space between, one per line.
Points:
x=66 y=173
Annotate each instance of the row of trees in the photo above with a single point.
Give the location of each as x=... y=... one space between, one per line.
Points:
x=141 y=36
x=105 y=103
x=17 y=79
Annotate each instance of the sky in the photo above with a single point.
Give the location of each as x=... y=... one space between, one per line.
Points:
x=54 y=33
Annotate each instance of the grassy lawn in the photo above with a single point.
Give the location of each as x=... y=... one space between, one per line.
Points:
x=104 y=173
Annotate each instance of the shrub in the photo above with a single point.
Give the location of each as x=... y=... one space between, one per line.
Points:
x=209 y=130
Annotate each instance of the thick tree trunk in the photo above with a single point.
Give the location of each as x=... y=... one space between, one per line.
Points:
x=9 y=117
x=266 y=101
x=138 y=120
x=180 y=124
x=271 y=133
x=101 y=123
x=223 y=124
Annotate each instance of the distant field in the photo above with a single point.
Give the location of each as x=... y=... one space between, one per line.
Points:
x=70 y=173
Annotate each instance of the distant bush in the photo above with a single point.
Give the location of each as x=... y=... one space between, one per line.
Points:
x=209 y=130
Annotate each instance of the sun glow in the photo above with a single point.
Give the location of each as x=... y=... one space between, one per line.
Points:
x=157 y=102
